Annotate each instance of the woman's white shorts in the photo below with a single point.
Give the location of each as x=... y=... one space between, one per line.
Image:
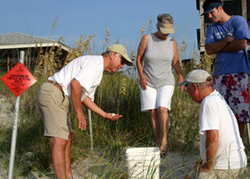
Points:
x=152 y=98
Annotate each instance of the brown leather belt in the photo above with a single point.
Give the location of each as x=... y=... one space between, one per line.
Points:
x=57 y=85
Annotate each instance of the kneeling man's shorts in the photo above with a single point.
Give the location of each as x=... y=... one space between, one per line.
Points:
x=54 y=106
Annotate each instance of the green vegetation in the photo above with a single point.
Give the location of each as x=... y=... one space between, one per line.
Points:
x=118 y=93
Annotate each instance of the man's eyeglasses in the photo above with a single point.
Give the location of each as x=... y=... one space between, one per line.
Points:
x=123 y=61
x=187 y=86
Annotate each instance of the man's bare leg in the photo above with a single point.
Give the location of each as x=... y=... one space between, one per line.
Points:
x=68 y=156
x=241 y=129
x=58 y=146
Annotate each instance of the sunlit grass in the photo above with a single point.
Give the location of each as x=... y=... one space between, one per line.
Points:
x=117 y=93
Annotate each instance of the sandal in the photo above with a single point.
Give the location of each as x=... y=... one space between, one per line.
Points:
x=163 y=151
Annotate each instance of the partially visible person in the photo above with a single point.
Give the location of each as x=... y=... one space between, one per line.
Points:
x=76 y=82
x=156 y=57
x=221 y=147
x=227 y=37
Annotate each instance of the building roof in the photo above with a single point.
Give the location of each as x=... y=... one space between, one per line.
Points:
x=19 y=40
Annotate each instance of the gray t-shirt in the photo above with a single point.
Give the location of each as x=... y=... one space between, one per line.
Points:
x=157 y=60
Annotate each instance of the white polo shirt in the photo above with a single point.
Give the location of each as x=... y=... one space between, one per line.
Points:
x=215 y=114
x=88 y=70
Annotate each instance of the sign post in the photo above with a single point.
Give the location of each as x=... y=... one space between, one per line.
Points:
x=14 y=130
x=18 y=79
x=248 y=132
x=90 y=131
x=13 y=140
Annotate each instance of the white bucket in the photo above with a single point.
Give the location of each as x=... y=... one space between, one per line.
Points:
x=143 y=162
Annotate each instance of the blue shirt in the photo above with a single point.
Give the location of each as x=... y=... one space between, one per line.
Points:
x=230 y=62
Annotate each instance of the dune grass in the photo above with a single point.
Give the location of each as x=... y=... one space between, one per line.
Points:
x=118 y=93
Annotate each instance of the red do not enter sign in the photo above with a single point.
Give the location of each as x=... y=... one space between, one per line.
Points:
x=18 y=79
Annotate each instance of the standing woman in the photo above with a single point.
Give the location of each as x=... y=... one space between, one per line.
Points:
x=159 y=53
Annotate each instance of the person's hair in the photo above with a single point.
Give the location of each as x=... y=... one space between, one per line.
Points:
x=207 y=2
x=165 y=18
x=209 y=82
x=106 y=54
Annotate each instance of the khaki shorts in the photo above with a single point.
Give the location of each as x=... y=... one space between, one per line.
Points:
x=54 y=107
x=222 y=174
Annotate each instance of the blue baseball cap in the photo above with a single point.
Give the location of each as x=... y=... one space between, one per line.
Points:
x=210 y=7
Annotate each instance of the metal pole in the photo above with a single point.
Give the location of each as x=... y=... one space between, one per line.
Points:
x=14 y=129
x=248 y=133
x=90 y=130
